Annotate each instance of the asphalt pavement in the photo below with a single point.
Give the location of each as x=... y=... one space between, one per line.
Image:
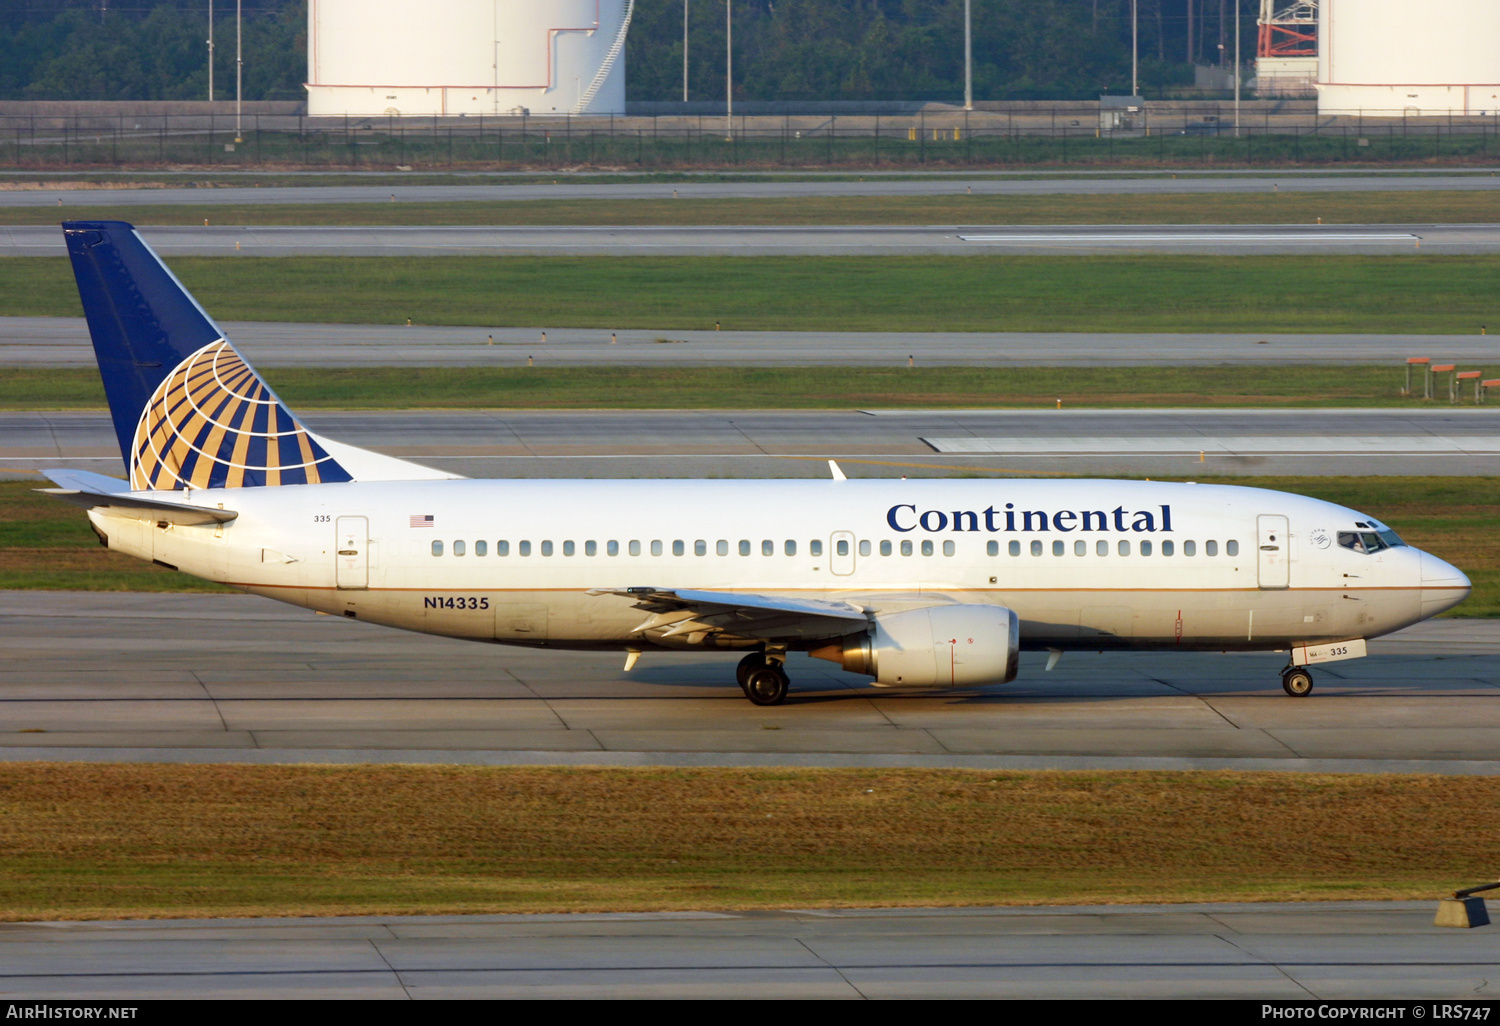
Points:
x=870 y=443
x=578 y=187
x=64 y=342
x=935 y=240
x=1329 y=951
x=191 y=678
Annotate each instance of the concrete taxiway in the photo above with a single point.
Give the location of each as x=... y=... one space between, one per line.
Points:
x=936 y=240
x=568 y=187
x=233 y=678
x=64 y=342
x=1335 y=951
x=872 y=443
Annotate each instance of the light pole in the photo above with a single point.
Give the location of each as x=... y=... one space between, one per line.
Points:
x=684 y=51
x=1236 y=68
x=968 y=59
x=1135 y=50
x=729 y=69
x=210 y=51
x=239 y=68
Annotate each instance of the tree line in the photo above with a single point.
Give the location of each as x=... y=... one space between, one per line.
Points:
x=783 y=49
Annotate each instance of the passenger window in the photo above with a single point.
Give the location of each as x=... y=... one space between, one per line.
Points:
x=634 y=547
x=1210 y=548
x=841 y=547
x=885 y=548
x=927 y=548
x=1189 y=548
x=790 y=548
x=568 y=548
x=656 y=547
x=864 y=548
x=1145 y=548
x=459 y=548
x=1231 y=548
x=523 y=548
x=546 y=548
x=815 y=547
x=1101 y=547
x=1166 y=548
x=1123 y=548
x=502 y=548
x=611 y=548
x=1058 y=548
x=949 y=548
x=992 y=548
x=744 y=547
x=721 y=547
x=767 y=547
x=481 y=548
x=679 y=548
x=437 y=548
x=700 y=547
x=1080 y=548
x=590 y=548
x=906 y=547
x=1015 y=548
x=1036 y=548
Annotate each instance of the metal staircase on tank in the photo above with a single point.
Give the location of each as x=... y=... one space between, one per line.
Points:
x=615 y=49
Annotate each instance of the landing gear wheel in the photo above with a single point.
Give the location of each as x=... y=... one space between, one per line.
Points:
x=767 y=685
x=1297 y=682
x=748 y=665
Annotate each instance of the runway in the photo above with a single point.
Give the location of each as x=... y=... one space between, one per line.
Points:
x=232 y=678
x=578 y=187
x=1332 y=951
x=936 y=240
x=64 y=342
x=871 y=443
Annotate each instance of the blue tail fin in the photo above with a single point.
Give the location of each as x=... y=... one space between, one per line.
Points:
x=188 y=410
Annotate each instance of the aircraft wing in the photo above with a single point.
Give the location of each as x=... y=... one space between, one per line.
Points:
x=680 y=614
x=114 y=497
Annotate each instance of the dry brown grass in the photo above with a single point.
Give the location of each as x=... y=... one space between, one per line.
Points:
x=81 y=841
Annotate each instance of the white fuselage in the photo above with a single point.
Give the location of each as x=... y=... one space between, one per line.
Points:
x=1084 y=564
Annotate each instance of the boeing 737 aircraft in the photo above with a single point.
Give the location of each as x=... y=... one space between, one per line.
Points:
x=916 y=583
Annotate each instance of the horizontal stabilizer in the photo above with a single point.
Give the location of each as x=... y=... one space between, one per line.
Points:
x=113 y=497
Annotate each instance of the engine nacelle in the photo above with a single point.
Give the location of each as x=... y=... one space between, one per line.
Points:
x=939 y=646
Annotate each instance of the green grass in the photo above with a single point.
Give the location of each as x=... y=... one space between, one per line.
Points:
x=1412 y=293
x=46 y=545
x=515 y=386
x=1444 y=207
x=81 y=841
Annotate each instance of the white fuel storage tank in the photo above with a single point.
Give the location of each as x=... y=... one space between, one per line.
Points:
x=451 y=57
x=1396 y=57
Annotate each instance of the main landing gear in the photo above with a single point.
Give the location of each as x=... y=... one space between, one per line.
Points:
x=763 y=680
x=1296 y=681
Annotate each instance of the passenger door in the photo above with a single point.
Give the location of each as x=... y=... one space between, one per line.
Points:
x=352 y=560
x=1273 y=551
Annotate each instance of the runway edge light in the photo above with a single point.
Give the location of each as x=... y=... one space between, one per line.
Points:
x=1464 y=911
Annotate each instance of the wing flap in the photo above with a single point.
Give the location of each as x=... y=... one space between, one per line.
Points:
x=676 y=613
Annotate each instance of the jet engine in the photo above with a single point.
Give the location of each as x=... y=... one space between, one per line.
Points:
x=939 y=646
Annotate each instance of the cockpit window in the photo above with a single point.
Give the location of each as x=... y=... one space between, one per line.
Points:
x=1391 y=538
x=1365 y=541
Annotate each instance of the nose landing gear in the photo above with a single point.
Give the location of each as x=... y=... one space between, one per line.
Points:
x=1296 y=681
x=763 y=680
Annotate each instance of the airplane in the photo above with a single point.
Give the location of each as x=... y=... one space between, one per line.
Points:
x=914 y=583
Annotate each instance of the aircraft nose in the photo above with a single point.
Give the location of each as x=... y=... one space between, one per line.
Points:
x=1443 y=585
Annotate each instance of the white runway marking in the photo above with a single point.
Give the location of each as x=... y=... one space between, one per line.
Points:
x=1364 y=445
x=1192 y=237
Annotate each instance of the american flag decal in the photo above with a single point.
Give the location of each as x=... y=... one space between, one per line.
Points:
x=420 y=521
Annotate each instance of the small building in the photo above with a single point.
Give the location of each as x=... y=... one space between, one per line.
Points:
x=1122 y=113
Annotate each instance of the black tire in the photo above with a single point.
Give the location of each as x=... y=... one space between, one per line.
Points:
x=1297 y=682
x=767 y=685
x=748 y=665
